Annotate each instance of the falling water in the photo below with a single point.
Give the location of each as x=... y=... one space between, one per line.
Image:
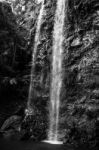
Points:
x=37 y=35
x=56 y=71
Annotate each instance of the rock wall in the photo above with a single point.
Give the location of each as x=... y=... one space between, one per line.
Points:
x=80 y=96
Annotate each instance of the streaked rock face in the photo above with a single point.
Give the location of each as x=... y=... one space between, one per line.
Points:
x=81 y=80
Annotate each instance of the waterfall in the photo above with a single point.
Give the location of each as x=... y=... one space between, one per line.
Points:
x=56 y=77
x=56 y=82
x=37 y=35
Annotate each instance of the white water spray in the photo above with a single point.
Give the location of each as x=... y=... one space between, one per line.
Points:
x=56 y=71
x=37 y=35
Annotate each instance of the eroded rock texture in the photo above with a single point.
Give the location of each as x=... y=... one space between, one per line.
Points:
x=80 y=99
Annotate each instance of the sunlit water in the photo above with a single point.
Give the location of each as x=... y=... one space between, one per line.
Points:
x=53 y=142
x=56 y=71
x=37 y=35
x=56 y=83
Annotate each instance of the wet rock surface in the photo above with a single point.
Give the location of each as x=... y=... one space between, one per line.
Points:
x=80 y=86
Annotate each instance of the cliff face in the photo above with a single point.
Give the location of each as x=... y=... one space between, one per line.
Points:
x=80 y=96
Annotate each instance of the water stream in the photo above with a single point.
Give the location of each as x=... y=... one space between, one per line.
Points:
x=56 y=76
x=37 y=35
x=56 y=71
